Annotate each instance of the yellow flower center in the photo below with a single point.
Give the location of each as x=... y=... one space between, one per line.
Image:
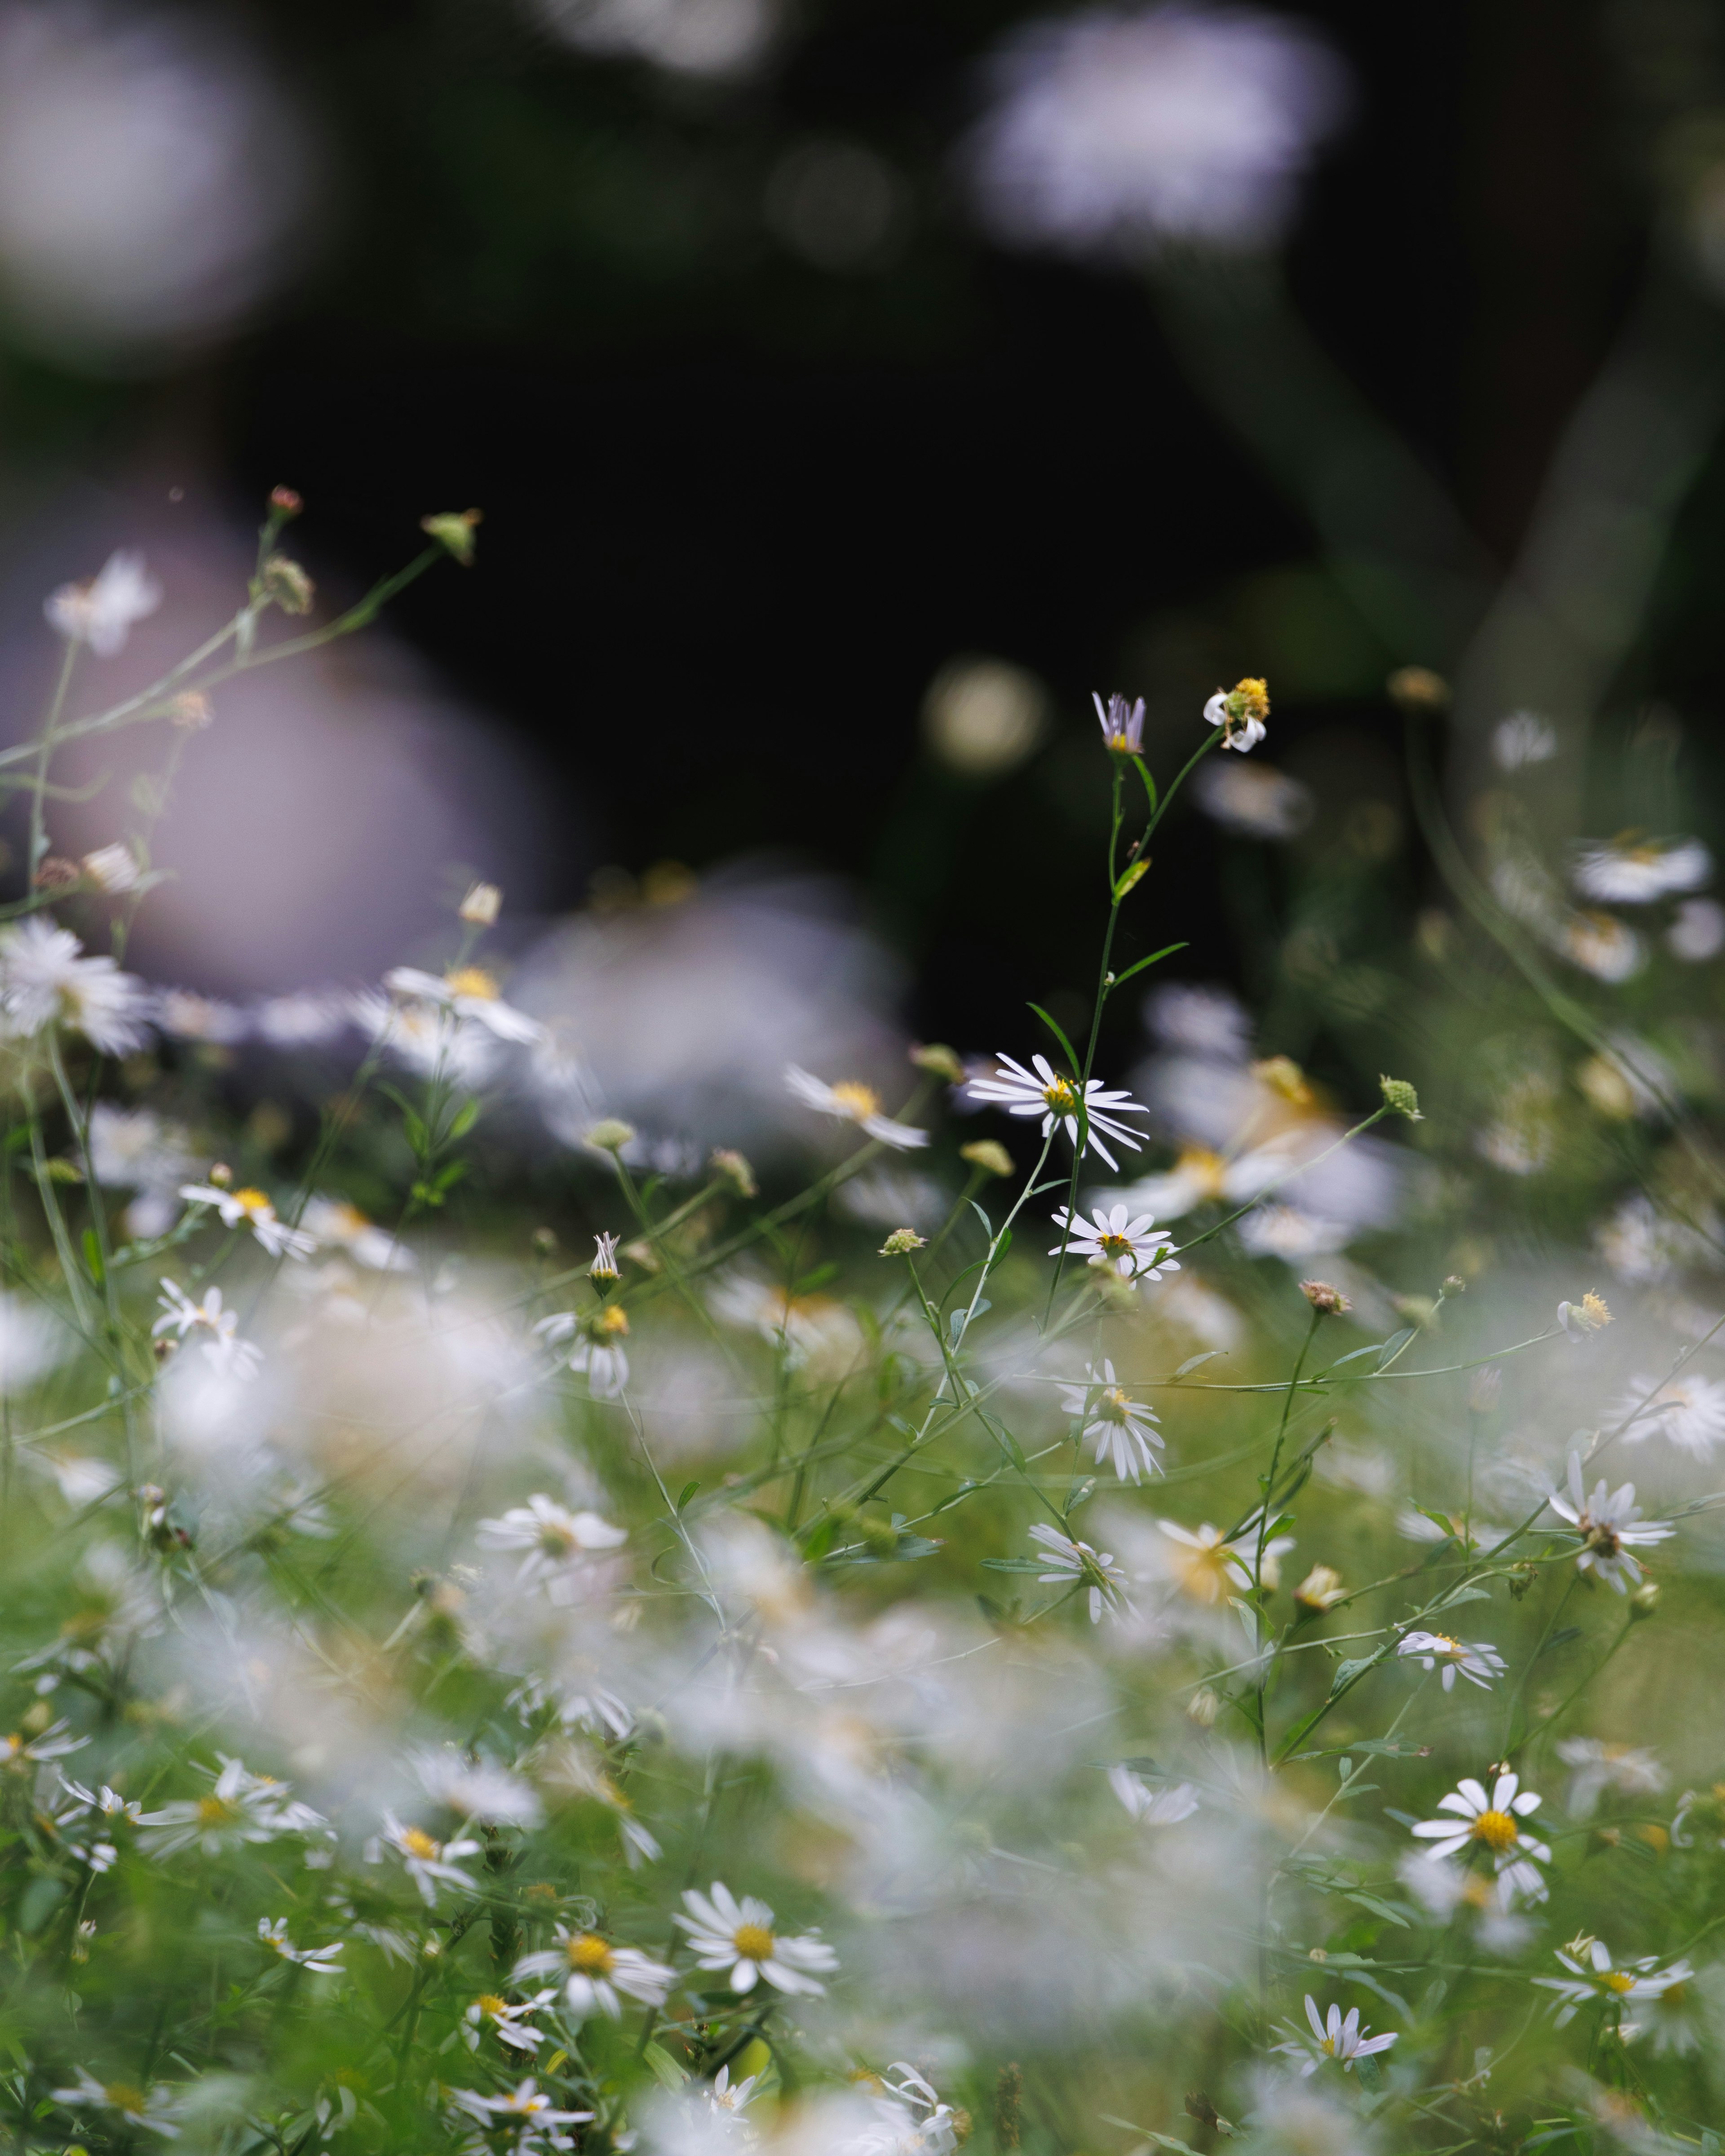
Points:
x=472 y=981
x=556 y=1541
x=1114 y=1246
x=857 y=1101
x=488 y=2002
x=590 y=1954
x=418 y=1843
x=1114 y=1406
x=254 y=1203
x=124 y=2096
x=214 y=1811
x=1203 y=1573
x=1498 y=1830
x=1199 y=1165
x=753 y=1941
x=1594 y=1307
x=610 y=1321
x=1062 y=1097
x=1619 y=1980
x=1442 y=1644
x=1327 y=2044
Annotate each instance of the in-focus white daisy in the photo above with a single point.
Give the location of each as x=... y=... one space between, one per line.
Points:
x=1123 y=1430
x=338 y=1225
x=1241 y=712
x=1129 y=1247
x=852 y=1103
x=1042 y=1091
x=427 y=1861
x=1076 y=1564
x=44 y=981
x=597 y=1353
x=1123 y=724
x=153 y=2109
x=550 y=1536
x=225 y=1348
x=1120 y=131
x=1633 y=871
x=596 y=1975
x=1592 y=1976
x=1602 y=945
x=1206 y=1566
x=525 y=2104
x=470 y=992
x=1611 y=1528
x=1627 y=1770
x=1254 y=800
x=1164 y=1807
x=507 y=2020
x=101 y=613
x=316 y=1961
x=1477 y=1660
x=725 y=1933
x=1493 y=1824
x=249 y=1208
x=1697 y=930
x=1343 y=2041
x=241 y=1807
x=1521 y=739
x=1687 y=1411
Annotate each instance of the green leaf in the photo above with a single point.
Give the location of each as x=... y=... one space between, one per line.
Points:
x=1560 y=1638
x=93 y=1256
x=1155 y=959
x=686 y=1492
x=1462 y=1594
x=663 y=2066
x=988 y=1225
x=1387 y=1909
x=1012 y=1564
x=38 y=1902
x=959 y=1319
x=1130 y=877
x=1053 y=1027
x=1346 y=1673
x=1192 y=1362
x=466 y=1116
x=1393 y=1346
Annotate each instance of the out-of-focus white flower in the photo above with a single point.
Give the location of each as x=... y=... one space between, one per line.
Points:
x=1042 y=1091
x=1607 y=1523
x=1697 y=930
x=113 y=869
x=507 y=2020
x=252 y=1208
x=305 y=1018
x=33 y=1341
x=81 y=1480
x=1164 y=1807
x=1207 y=1567
x=594 y=1972
x=811 y=1328
x=1075 y=1564
x=1446 y=1888
x=1477 y=1660
x=551 y=1535
x=1641 y=1245
x=525 y=2104
x=155 y=2110
x=891 y=1198
x=1123 y=1430
x=241 y=1808
x=133 y=1149
x=1209 y=1023
x=470 y=992
x=338 y=1225
x=1131 y=1248
x=1603 y=946
x=1592 y=1976
x=44 y=981
x=1635 y=871
x=100 y=612
x=18 y=1751
x=737 y=1937
x=1343 y=2041
x=1521 y=739
x=153 y=180
x=1284 y=1231
x=1493 y=1824
x=597 y=1354
x=316 y=1961
x=685 y=37
x=1120 y=131
x=185 y=1015
x=1253 y=800
x=983 y=716
x=1627 y=1770
x=1688 y=1411
x=478 y=1790
x=225 y=1348
x=909 y=2120
x=428 y=1862
x=852 y=1103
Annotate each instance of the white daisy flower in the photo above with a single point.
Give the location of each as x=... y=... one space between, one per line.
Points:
x=1478 y=1661
x=525 y=2102
x=507 y=2019
x=1123 y=1430
x=316 y=1961
x=1491 y=1823
x=1688 y=1411
x=1635 y=871
x=1669 y=2011
x=1123 y=724
x=1697 y=930
x=44 y=981
x=101 y=613
x=852 y=1103
x=1446 y=1889
x=1627 y=1770
x=1521 y=739
x=337 y=1225
x=225 y=1349
x=1207 y=1567
x=478 y=1789
x=725 y=1933
x=18 y=1751
x=1254 y=800
x=1610 y=1526
x=1075 y=1564
x=153 y=2110
x=428 y=1862
x=470 y=992
x=241 y=1808
x=1041 y=1091
x=1164 y=1807
x=133 y=1149
x=597 y=1976
x=1592 y=1976
x=186 y=1015
x=551 y=1535
x=1240 y=712
x=252 y=1208
x=1129 y=1247
x=113 y=870
x=1603 y=946
x=598 y=1354
x=1343 y=2041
